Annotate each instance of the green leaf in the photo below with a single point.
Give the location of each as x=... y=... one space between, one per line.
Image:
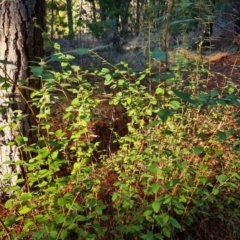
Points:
x=158 y=236
x=108 y=79
x=5 y=62
x=9 y=221
x=175 y=223
x=39 y=234
x=155 y=187
x=77 y=207
x=184 y=151
x=149 y=235
x=178 y=204
x=231 y=90
x=121 y=82
x=56 y=57
x=159 y=91
x=214 y=93
x=219 y=152
x=54 y=155
x=156 y=206
x=153 y=123
x=163 y=114
x=104 y=70
x=98 y=210
x=100 y=47
x=69 y=57
x=153 y=168
x=43 y=173
x=198 y=150
x=115 y=196
x=75 y=101
x=80 y=51
x=147 y=213
x=42 y=184
x=153 y=101
x=25 y=196
x=175 y=104
x=232 y=185
x=161 y=77
x=61 y=201
x=129 y=100
x=183 y=21
x=9 y=203
x=63 y=234
x=36 y=70
x=5 y=85
x=24 y=210
x=167 y=132
x=184 y=96
x=215 y=191
x=53 y=234
x=28 y=224
x=41 y=218
x=56 y=46
x=45 y=35
x=60 y=218
x=3 y=79
x=221 y=135
x=179 y=212
x=81 y=218
x=167 y=199
x=20 y=140
x=222 y=178
x=166 y=232
x=160 y=55
x=104 y=218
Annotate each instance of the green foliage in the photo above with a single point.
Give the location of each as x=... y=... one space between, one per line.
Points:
x=176 y=163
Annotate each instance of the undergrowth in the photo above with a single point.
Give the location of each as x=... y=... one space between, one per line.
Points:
x=115 y=160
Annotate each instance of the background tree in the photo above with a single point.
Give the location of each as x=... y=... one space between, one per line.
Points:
x=20 y=42
x=70 y=19
x=58 y=24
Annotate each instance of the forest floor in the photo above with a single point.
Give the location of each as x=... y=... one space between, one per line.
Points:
x=222 y=66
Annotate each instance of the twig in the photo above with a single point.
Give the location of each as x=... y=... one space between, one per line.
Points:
x=5 y=229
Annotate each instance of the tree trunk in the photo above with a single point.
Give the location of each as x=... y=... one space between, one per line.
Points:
x=124 y=19
x=52 y=19
x=70 y=19
x=137 y=27
x=103 y=15
x=20 y=43
x=94 y=11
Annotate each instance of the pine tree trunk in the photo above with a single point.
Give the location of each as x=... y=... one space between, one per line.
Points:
x=20 y=43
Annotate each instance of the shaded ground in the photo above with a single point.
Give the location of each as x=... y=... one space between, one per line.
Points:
x=225 y=68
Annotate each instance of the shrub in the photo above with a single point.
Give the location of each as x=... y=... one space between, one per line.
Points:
x=168 y=165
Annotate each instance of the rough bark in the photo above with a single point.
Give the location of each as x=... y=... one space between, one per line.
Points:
x=20 y=43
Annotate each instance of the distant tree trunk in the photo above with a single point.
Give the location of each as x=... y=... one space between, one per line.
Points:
x=138 y=18
x=124 y=19
x=20 y=43
x=52 y=19
x=94 y=11
x=70 y=19
x=103 y=9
